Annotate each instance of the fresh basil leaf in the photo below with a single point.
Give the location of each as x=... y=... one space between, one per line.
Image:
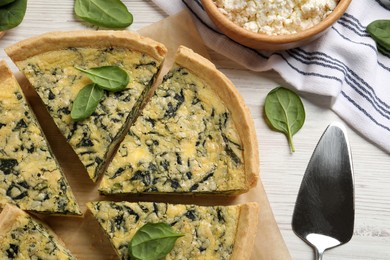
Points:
x=380 y=32
x=5 y=2
x=106 y=13
x=12 y=14
x=285 y=112
x=153 y=241
x=86 y=102
x=111 y=78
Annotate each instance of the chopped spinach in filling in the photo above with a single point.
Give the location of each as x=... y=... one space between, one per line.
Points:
x=209 y=232
x=184 y=141
x=29 y=174
x=29 y=239
x=57 y=82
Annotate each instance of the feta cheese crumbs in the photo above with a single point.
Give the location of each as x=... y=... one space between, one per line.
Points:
x=276 y=17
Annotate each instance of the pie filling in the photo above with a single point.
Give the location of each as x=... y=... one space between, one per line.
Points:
x=29 y=239
x=184 y=141
x=29 y=174
x=57 y=81
x=209 y=232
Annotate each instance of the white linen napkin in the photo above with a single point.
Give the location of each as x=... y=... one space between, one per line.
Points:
x=343 y=66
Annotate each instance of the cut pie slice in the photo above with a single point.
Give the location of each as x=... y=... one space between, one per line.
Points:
x=195 y=135
x=210 y=232
x=48 y=61
x=24 y=237
x=30 y=177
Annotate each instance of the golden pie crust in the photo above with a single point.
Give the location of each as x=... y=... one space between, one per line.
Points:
x=10 y=214
x=5 y=73
x=246 y=231
x=234 y=102
x=7 y=218
x=57 y=41
x=61 y=40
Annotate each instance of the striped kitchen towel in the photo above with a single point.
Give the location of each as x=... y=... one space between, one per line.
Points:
x=342 y=67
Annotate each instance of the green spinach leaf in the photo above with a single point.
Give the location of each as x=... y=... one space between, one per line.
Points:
x=86 y=102
x=380 y=32
x=111 y=78
x=153 y=241
x=285 y=112
x=12 y=14
x=5 y=2
x=106 y=13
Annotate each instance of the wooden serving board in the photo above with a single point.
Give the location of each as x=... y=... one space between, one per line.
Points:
x=82 y=235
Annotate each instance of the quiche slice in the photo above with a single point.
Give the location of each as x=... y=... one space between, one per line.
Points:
x=24 y=237
x=195 y=135
x=210 y=232
x=48 y=61
x=30 y=176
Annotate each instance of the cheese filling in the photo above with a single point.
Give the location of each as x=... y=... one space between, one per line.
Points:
x=185 y=141
x=209 y=232
x=29 y=239
x=57 y=82
x=29 y=174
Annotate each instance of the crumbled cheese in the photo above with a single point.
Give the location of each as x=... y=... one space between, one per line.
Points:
x=276 y=17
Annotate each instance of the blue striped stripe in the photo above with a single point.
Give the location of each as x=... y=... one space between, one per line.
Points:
x=355 y=86
x=348 y=39
x=365 y=44
x=360 y=87
x=383 y=5
x=346 y=25
x=354 y=21
x=349 y=21
x=312 y=55
x=306 y=73
x=200 y=4
x=310 y=59
x=364 y=111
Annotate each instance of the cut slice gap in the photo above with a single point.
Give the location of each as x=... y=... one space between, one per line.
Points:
x=49 y=60
x=73 y=169
x=214 y=232
x=194 y=136
x=30 y=176
x=23 y=236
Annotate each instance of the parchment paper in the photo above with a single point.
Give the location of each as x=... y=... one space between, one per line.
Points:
x=82 y=235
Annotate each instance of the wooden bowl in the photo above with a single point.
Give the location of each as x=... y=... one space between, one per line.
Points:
x=272 y=42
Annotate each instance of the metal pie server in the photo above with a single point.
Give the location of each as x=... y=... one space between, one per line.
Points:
x=324 y=212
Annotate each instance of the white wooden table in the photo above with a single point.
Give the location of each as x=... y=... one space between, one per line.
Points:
x=281 y=171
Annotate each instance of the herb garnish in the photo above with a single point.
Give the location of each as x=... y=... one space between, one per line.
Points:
x=110 y=78
x=285 y=112
x=86 y=102
x=11 y=13
x=5 y=2
x=153 y=241
x=106 y=13
x=380 y=32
